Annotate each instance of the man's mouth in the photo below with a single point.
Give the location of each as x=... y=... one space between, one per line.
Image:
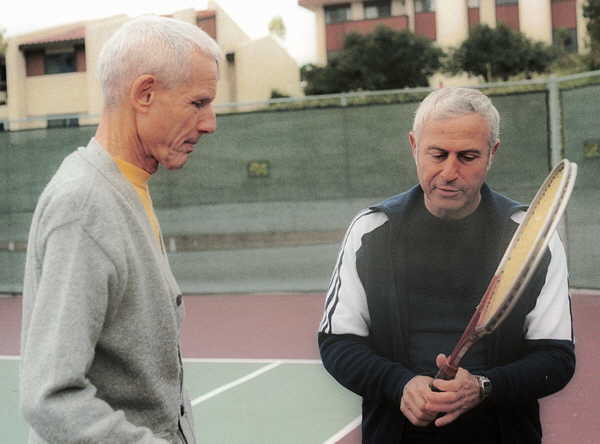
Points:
x=447 y=191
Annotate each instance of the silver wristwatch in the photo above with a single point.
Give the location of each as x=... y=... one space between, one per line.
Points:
x=485 y=387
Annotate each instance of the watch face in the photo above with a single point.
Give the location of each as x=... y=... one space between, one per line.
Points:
x=485 y=386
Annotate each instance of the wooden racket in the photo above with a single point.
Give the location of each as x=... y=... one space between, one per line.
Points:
x=519 y=262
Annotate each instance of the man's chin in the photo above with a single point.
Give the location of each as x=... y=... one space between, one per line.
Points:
x=176 y=163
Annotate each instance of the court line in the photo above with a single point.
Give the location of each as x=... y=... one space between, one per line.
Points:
x=222 y=360
x=235 y=383
x=250 y=361
x=344 y=431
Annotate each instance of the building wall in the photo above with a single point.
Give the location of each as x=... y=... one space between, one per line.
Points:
x=535 y=19
x=335 y=34
x=262 y=56
x=508 y=15
x=452 y=24
x=97 y=33
x=56 y=94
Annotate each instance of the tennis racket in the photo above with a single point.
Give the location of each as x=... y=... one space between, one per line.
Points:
x=519 y=262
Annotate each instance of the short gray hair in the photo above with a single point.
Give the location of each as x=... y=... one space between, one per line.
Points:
x=448 y=103
x=154 y=45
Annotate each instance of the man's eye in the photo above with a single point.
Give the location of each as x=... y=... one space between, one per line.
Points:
x=200 y=103
x=469 y=157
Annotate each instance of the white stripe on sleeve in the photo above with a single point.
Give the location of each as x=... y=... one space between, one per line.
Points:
x=551 y=317
x=346 y=310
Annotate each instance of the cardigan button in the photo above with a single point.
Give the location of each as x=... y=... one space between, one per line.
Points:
x=182 y=409
x=178 y=300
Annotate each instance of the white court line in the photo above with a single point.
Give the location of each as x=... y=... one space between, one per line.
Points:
x=343 y=432
x=250 y=361
x=222 y=360
x=235 y=383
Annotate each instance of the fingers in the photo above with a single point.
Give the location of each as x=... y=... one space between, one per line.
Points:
x=457 y=397
x=414 y=401
x=441 y=360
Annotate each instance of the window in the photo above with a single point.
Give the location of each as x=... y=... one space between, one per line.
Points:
x=63 y=123
x=424 y=5
x=507 y=2
x=337 y=13
x=376 y=9
x=472 y=3
x=61 y=62
x=565 y=38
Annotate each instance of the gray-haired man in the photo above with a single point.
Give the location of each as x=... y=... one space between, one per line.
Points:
x=409 y=275
x=102 y=312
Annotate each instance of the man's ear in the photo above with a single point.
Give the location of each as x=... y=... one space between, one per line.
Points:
x=143 y=92
x=412 y=140
x=495 y=147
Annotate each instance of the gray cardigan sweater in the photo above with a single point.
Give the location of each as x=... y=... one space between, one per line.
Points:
x=102 y=315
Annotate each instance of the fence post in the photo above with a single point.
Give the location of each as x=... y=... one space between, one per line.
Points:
x=555 y=118
x=556 y=143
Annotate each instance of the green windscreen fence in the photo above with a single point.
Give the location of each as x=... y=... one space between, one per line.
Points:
x=313 y=155
x=581 y=131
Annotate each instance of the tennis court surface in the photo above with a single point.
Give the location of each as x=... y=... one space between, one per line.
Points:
x=253 y=373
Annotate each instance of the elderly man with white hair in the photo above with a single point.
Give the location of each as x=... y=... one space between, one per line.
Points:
x=102 y=312
x=409 y=275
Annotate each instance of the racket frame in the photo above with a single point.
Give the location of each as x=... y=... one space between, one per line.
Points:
x=473 y=332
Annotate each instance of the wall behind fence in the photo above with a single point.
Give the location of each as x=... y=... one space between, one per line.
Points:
x=333 y=154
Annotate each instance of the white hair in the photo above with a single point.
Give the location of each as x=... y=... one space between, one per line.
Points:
x=448 y=103
x=150 y=45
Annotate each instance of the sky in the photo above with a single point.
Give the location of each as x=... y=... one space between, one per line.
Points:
x=253 y=16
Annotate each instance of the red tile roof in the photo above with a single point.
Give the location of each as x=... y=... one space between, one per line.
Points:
x=206 y=13
x=313 y=3
x=65 y=35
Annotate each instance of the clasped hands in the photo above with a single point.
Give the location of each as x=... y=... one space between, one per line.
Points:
x=423 y=406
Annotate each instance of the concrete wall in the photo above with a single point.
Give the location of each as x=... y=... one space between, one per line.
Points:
x=56 y=94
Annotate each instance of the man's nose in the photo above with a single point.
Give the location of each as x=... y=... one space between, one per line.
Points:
x=450 y=169
x=208 y=122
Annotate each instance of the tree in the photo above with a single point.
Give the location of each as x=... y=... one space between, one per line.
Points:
x=2 y=41
x=591 y=11
x=383 y=59
x=277 y=27
x=500 y=53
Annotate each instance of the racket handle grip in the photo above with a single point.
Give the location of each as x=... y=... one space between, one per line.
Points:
x=446 y=372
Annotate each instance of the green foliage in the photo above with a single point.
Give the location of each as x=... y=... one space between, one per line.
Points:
x=2 y=41
x=500 y=53
x=591 y=11
x=384 y=59
x=277 y=27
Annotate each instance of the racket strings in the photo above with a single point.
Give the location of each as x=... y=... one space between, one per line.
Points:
x=513 y=270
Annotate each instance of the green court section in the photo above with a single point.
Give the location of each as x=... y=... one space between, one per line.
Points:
x=11 y=423
x=291 y=403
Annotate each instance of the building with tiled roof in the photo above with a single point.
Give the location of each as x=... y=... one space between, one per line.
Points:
x=51 y=81
x=447 y=22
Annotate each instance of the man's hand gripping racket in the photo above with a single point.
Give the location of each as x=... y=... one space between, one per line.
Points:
x=518 y=263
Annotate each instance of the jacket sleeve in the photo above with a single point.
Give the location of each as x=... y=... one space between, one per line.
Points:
x=549 y=360
x=62 y=323
x=344 y=330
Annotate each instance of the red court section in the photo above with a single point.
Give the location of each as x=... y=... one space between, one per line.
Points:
x=281 y=326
